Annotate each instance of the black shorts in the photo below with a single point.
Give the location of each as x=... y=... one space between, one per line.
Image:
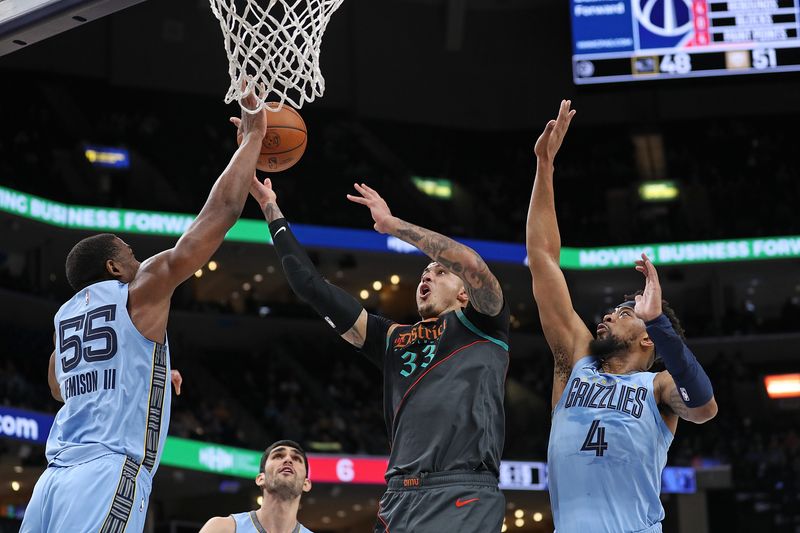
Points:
x=463 y=502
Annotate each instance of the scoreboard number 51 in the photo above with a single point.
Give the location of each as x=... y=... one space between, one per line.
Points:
x=764 y=58
x=680 y=63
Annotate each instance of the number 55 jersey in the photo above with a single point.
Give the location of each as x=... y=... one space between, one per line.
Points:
x=114 y=382
x=608 y=447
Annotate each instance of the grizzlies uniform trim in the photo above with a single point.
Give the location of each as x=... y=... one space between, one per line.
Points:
x=257 y=524
x=247 y=522
x=122 y=504
x=158 y=382
x=260 y=528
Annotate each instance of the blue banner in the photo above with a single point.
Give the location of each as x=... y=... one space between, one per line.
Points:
x=25 y=425
x=107 y=156
x=600 y=26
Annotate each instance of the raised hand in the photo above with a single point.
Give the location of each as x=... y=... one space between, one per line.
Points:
x=262 y=192
x=384 y=221
x=255 y=123
x=648 y=304
x=266 y=198
x=550 y=140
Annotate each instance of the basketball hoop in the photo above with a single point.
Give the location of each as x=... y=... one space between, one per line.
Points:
x=273 y=48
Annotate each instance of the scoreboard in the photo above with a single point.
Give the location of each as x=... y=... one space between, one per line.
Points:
x=625 y=40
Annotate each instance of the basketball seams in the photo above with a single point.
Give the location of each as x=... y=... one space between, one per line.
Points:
x=301 y=145
x=291 y=134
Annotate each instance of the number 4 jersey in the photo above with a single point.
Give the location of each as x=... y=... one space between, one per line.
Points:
x=444 y=383
x=608 y=446
x=114 y=382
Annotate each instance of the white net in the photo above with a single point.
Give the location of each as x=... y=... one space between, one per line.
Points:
x=273 y=48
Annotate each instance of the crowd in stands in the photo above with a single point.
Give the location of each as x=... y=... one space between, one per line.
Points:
x=737 y=175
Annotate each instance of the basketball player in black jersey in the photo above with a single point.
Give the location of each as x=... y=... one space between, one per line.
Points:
x=444 y=377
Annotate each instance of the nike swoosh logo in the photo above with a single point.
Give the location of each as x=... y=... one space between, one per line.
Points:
x=460 y=503
x=279 y=230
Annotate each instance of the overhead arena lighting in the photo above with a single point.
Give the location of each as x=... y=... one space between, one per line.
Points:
x=435 y=187
x=658 y=191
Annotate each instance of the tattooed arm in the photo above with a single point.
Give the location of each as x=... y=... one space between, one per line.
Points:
x=483 y=289
x=673 y=406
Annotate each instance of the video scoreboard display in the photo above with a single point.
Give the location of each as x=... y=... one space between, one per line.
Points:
x=625 y=40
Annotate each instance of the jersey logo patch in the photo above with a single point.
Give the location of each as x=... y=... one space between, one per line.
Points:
x=684 y=394
x=86 y=298
x=462 y=503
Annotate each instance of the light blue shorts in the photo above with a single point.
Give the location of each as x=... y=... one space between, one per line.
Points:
x=108 y=494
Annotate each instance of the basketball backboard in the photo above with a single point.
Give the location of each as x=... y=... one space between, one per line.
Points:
x=24 y=22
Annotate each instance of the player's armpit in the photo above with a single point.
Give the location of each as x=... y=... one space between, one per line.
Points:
x=219 y=524
x=358 y=333
x=667 y=394
x=55 y=390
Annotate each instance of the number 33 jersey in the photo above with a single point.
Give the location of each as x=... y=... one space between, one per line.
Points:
x=444 y=383
x=608 y=447
x=115 y=383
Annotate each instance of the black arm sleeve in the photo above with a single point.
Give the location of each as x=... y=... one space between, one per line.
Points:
x=376 y=340
x=339 y=309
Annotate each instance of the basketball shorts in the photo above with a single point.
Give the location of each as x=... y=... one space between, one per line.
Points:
x=463 y=502
x=108 y=494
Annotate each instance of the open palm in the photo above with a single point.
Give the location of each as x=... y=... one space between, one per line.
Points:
x=377 y=206
x=549 y=142
x=648 y=304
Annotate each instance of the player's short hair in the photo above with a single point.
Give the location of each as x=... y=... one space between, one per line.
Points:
x=288 y=444
x=86 y=262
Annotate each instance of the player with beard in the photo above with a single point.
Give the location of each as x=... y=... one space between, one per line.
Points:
x=444 y=377
x=283 y=478
x=613 y=421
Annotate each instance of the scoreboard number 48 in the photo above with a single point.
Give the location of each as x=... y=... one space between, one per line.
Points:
x=680 y=63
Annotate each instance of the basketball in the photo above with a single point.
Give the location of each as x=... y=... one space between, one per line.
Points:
x=285 y=140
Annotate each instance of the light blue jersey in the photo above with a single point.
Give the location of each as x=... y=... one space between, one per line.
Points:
x=608 y=446
x=107 y=438
x=114 y=382
x=248 y=523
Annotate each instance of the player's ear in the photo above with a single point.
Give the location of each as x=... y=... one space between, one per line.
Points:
x=646 y=341
x=261 y=479
x=306 y=485
x=113 y=268
x=463 y=297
